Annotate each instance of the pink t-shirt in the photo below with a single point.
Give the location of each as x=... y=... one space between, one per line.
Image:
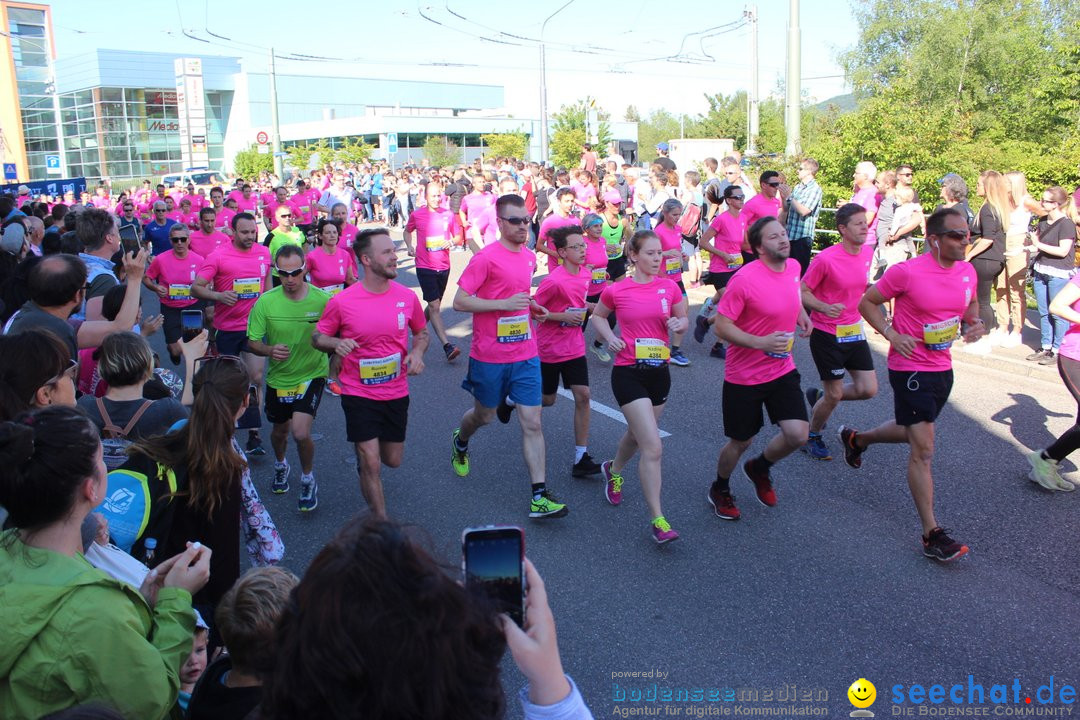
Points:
x=101 y=203
x=1070 y=345
x=198 y=202
x=330 y=271
x=241 y=271
x=246 y=204
x=224 y=217
x=473 y=204
x=670 y=239
x=559 y=291
x=380 y=325
x=435 y=232
x=761 y=301
x=177 y=275
x=930 y=301
x=596 y=261
x=867 y=198
x=495 y=273
x=582 y=195
x=756 y=208
x=643 y=310
x=176 y=216
x=488 y=225
x=271 y=209
x=267 y=197
x=552 y=222
x=837 y=276
x=730 y=234
x=203 y=244
x=348 y=234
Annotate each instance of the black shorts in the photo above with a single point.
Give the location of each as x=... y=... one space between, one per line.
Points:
x=171 y=324
x=833 y=358
x=280 y=411
x=719 y=280
x=919 y=396
x=432 y=283
x=782 y=398
x=367 y=419
x=573 y=372
x=231 y=342
x=630 y=383
x=616 y=267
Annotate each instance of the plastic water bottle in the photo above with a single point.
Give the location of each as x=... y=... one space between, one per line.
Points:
x=149 y=547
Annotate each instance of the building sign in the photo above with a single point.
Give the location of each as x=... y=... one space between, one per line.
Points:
x=191 y=109
x=160 y=126
x=161 y=98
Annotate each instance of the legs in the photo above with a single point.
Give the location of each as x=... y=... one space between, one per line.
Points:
x=920 y=481
x=1041 y=286
x=862 y=387
x=371 y=455
x=582 y=413
x=434 y=317
x=532 y=438
x=643 y=434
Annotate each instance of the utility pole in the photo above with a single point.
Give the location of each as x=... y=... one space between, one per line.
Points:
x=279 y=164
x=793 y=114
x=751 y=141
x=543 y=88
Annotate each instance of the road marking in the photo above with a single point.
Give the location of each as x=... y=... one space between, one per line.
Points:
x=605 y=410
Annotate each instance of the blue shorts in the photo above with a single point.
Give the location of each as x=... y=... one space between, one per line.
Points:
x=489 y=383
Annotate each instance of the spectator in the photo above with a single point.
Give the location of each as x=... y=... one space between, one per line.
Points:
x=799 y=212
x=987 y=249
x=109 y=632
x=1054 y=249
x=195 y=665
x=100 y=237
x=1011 y=300
x=36 y=371
x=954 y=193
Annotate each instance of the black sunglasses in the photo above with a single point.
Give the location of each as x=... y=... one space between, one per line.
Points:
x=232 y=359
x=740 y=198
x=175 y=240
x=516 y=220
x=954 y=234
x=290 y=273
x=773 y=184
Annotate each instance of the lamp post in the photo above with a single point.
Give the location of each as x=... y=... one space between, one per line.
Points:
x=543 y=86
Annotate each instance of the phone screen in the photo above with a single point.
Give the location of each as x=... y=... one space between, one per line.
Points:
x=191 y=324
x=494 y=564
x=129 y=237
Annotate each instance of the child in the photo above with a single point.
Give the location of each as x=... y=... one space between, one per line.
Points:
x=898 y=249
x=193 y=667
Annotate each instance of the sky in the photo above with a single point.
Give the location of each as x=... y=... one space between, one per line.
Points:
x=619 y=53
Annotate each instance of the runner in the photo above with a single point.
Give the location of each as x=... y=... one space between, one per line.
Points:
x=758 y=315
x=280 y=328
x=831 y=290
x=767 y=203
x=339 y=213
x=934 y=293
x=596 y=261
x=170 y=277
x=561 y=216
x=616 y=231
x=240 y=273
x=671 y=241
x=330 y=266
x=207 y=238
x=560 y=340
x=503 y=362
x=649 y=306
x=723 y=240
x=365 y=326
x=437 y=230
x=223 y=217
x=284 y=233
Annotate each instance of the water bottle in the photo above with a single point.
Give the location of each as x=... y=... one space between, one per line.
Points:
x=149 y=546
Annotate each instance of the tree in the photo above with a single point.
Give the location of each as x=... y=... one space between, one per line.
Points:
x=658 y=126
x=250 y=162
x=353 y=151
x=300 y=156
x=632 y=114
x=441 y=152
x=511 y=145
x=568 y=133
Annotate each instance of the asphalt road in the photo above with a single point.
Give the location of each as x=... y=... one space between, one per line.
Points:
x=825 y=588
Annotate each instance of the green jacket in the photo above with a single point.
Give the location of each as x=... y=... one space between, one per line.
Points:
x=72 y=634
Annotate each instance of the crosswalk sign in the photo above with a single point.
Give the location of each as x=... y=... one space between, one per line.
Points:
x=10 y=172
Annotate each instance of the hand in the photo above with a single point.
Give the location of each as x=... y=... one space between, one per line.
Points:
x=616 y=345
x=345 y=347
x=101 y=536
x=162 y=291
x=539 y=312
x=573 y=318
x=411 y=252
x=535 y=648
x=677 y=324
x=785 y=190
x=279 y=352
x=976 y=329
x=227 y=298
x=414 y=363
x=903 y=344
x=191 y=569
x=776 y=342
x=135 y=267
x=151 y=325
x=834 y=310
x=517 y=302
x=196 y=347
x=804 y=325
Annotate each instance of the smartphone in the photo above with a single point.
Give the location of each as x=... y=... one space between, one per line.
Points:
x=129 y=238
x=191 y=324
x=493 y=563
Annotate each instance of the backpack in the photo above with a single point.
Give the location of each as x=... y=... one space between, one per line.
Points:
x=138 y=503
x=114 y=440
x=690 y=222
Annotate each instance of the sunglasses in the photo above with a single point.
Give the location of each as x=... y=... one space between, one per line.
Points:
x=283 y=217
x=71 y=371
x=516 y=220
x=954 y=234
x=207 y=359
x=290 y=273
x=175 y=240
x=740 y=198
x=775 y=183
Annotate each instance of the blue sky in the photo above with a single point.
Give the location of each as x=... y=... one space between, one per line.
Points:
x=603 y=49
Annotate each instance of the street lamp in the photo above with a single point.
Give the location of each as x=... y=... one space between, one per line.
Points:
x=543 y=87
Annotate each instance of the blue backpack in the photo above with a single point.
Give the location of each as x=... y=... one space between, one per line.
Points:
x=139 y=503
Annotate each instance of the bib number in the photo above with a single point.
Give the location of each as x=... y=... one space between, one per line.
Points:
x=850 y=333
x=673 y=265
x=651 y=352
x=435 y=243
x=599 y=276
x=735 y=264
x=376 y=371
x=940 y=335
x=333 y=289
x=513 y=329
x=247 y=288
x=292 y=394
x=787 y=350
x=179 y=292
x=572 y=310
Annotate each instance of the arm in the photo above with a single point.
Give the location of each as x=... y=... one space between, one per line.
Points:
x=274 y=352
x=916 y=221
x=810 y=302
x=202 y=290
x=678 y=322
x=725 y=329
x=338 y=346
x=1062 y=304
x=870 y=309
x=192 y=350
x=464 y=302
x=476 y=240
x=159 y=290
x=1061 y=249
x=414 y=361
x=601 y=313
x=407 y=236
x=93 y=332
x=706 y=242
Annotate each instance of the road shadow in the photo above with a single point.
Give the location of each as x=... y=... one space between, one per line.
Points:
x=1027 y=421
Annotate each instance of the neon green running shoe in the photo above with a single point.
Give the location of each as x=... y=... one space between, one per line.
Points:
x=547 y=506
x=458 y=458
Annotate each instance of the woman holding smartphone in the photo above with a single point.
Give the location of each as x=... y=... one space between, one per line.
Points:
x=649 y=306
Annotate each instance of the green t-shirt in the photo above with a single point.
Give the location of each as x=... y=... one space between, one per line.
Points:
x=279 y=238
x=277 y=320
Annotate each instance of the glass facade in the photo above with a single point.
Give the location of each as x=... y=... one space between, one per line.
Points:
x=33 y=77
x=124 y=133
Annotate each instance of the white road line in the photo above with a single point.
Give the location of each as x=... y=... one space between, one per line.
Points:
x=605 y=410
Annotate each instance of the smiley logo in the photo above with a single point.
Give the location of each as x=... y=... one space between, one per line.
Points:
x=862 y=693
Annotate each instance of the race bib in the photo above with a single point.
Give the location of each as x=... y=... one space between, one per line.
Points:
x=850 y=333
x=436 y=243
x=292 y=394
x=787 y=350
x=736 y=263
x=247 y=288
x=614 y=251
x=514 y=329
x=573 y=310
x=333 y=289
x=376 y=371
x=599 y=276
x=652 y=352
x=673 y=265
x=179 y=292
x=940 y=335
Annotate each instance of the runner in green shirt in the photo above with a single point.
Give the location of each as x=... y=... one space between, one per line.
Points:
x=279 y=327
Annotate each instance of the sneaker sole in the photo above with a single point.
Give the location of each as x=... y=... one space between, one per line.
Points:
x=665 y=541
x=959 y=554
x=453 y=355
x=279 y=491
x=716 y=511
x=742 y=468
x=309 y=509
x=581 y=474
x=843 y=444
x=561 y=512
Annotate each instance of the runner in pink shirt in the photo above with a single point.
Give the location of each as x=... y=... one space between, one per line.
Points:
x=281 y=197
x=758 y=316
x=170 y=276
x=304 y=207
x=436 y=230
x=485 y=229
x=560 y=340
x=831 y=289
x=476 y=202
x=767 y=203
x=671 y=243
x=561 y=216
x=934 y=297
x=584 y=187
x=207 y=238
x=222 y=215
x=330 y=266
x=339 y=213
x=246 y=201
x=504 y=369
x=723 y=240
x=649 y=306
x=367 y=326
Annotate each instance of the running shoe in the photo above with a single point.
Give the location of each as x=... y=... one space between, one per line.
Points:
x=677 y=358
x=723 y=504
x=612 y=483
x=546 y=505
x=1039 y=354
x=280 y=485
x=452 y=352
x=254 y=445
x=502 y=411
x=334 y=388
x=601 y=353
x=939 y=546
x=1050 y=358
x=816 y=448
x=585 y=467
x=762 y=484
x=719 y=351
x=309 y=496
x=701 y=327
x=662 y=532
x=458 y=458
x=1045 y=473
x=812 y=396
x=852 y=453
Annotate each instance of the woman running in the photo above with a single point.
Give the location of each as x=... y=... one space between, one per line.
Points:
x=330 y=267
x=723 y=241
x=671 y=243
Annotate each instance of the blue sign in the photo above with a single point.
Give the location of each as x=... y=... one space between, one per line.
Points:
x=10 y=172
x=391 y=143
x=55 y=188
x=52 y=164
